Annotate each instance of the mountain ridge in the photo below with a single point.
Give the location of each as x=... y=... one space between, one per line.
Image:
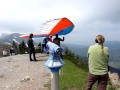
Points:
x=10 y=38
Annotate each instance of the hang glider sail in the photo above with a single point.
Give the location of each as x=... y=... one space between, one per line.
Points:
x=61 y=26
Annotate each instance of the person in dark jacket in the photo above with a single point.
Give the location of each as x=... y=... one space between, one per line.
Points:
x=57 y=40
x=44 y=44
x=31 y=48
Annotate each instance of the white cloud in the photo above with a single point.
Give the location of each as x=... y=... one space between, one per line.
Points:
x=90 y=17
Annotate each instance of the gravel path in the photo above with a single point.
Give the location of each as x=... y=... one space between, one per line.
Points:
x=18 y=73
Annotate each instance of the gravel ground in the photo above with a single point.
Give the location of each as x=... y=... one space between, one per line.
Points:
x=18 y=73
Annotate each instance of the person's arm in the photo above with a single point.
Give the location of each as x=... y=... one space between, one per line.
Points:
x=87 y=55
x=89 y=51
x=62 y=39
x=32 y=43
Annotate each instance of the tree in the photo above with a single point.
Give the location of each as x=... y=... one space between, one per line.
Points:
x=39 y=48
x=15 y=46
x=22 y=48
x=70 y=55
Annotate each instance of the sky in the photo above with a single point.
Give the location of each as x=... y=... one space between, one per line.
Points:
x=90 y=17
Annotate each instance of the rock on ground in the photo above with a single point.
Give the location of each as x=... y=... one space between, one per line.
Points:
x=115 y=81
x=18 y=73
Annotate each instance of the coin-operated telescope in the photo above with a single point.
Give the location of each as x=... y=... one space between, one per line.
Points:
x=54 y=63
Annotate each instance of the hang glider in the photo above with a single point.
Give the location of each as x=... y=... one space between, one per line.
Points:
x=61 y=26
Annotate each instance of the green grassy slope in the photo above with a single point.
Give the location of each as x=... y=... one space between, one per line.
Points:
x=73 y=76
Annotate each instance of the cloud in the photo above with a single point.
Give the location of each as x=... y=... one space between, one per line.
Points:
x=91 y=17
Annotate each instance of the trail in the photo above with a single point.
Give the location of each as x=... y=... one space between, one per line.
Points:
x=18 y=73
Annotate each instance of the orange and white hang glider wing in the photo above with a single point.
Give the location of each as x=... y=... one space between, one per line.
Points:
x=61 y=26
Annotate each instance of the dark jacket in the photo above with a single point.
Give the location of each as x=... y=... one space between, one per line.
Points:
x=30 y=43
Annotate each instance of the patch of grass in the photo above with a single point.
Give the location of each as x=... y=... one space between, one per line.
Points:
x=73 y=76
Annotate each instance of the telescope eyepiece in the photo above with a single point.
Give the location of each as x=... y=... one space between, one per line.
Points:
x=58 y=51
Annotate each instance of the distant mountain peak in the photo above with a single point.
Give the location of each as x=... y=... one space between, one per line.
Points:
x=4 y=35
x=9 y=38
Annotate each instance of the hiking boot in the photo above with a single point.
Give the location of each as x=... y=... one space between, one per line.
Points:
x=31 y=60
x=35 y=60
